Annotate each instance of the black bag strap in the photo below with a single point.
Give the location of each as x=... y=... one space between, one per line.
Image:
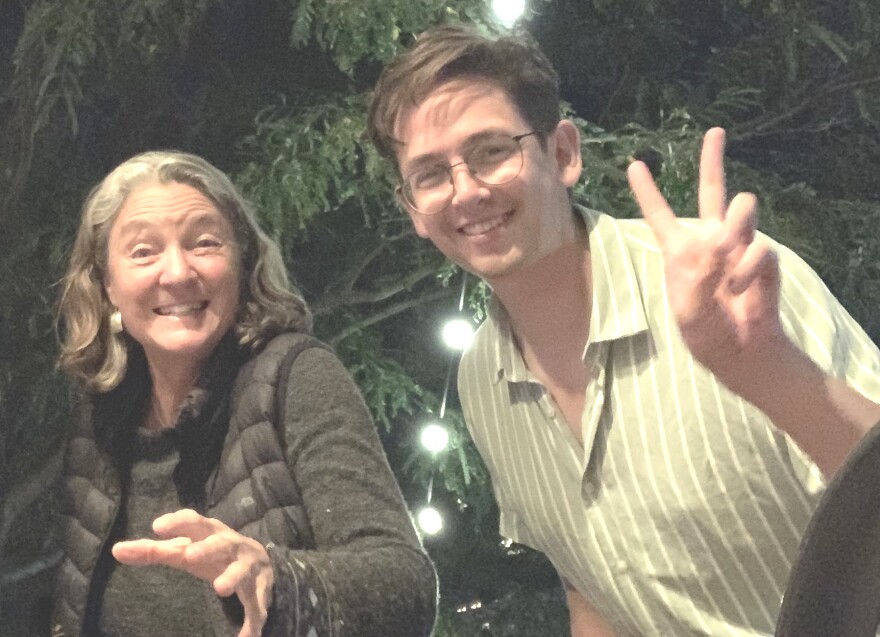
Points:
x=284 y=379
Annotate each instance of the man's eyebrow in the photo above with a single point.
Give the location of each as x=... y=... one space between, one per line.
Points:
x=420 y=161
x=429 y=159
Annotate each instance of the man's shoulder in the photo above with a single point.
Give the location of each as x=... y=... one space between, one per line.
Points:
x=482 y=364
x=485 y=342
x=604 y=229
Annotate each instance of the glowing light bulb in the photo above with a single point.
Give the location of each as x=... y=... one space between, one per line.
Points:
x=508 y=11
x=458 y=333
x=434 y=437
x=430 y=521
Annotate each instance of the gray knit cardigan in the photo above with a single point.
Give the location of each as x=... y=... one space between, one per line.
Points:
x=323 y=500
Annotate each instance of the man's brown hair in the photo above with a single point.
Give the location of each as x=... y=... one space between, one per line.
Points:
x=513 y=62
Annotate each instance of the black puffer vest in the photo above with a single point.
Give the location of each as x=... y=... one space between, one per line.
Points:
x=249 y=488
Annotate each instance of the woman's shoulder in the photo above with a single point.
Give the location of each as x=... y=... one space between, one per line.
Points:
x=281 y=345
x=279 y=355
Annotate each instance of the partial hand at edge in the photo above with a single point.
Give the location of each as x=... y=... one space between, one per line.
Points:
x=585 y=620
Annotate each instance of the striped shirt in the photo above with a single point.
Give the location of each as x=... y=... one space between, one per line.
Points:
x=682 y=512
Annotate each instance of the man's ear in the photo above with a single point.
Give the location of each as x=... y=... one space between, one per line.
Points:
x=567 y=139
x=415 y=217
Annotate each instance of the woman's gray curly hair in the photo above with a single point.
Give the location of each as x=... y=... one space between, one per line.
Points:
x=269 y=303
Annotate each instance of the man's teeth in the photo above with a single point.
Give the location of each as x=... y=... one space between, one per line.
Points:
x=483 y=226
x=179 y=310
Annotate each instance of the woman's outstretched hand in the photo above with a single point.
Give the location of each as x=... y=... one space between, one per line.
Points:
x=210 y=550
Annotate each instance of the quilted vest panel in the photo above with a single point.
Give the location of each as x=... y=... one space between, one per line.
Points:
x=252 y=490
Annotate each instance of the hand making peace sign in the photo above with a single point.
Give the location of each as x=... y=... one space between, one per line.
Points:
x=722 y=280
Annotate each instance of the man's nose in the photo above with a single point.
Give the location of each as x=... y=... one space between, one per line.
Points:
x=466 y=187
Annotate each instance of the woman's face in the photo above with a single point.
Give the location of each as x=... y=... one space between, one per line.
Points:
x=173 y=272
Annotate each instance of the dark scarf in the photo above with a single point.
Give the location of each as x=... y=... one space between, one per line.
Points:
x=202 y=421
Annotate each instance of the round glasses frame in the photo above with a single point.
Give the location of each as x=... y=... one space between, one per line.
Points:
x=406 y=190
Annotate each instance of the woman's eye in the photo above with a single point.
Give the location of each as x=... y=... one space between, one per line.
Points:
x=208 y=242
x=141 y=252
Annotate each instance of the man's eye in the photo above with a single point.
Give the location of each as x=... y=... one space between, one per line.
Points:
x=490 y=153
x=431 y=177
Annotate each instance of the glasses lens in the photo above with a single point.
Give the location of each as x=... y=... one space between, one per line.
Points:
x=429 y=189
x=496 y=160
x=493 y=161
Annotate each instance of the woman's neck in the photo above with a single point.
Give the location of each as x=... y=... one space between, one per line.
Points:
x=171 y=384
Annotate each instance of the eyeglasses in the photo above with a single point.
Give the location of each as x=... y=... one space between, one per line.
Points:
x=492 y=160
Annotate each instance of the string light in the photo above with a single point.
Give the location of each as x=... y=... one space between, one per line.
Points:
x=508 y=11
x=435 y=437
x=457 y=334
x=474 y=605
x=430 y=521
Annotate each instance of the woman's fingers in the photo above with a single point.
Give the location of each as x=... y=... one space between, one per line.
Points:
x=208 y=549
x=252 y=580
x=234 y=577
x=186 y=523
x=145 y=552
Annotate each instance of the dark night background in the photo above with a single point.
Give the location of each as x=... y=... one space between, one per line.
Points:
x=274 y=92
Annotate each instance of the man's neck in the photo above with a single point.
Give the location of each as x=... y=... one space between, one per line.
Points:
x=549 y=304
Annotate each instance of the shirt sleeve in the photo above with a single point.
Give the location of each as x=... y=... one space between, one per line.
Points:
x=816 y=321
x=368 y=575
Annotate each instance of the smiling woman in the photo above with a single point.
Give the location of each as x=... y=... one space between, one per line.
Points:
x=268 y=304
x=192 y=447
x=173 y=275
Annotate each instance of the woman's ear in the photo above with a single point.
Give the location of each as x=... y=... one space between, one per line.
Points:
x=567 y=140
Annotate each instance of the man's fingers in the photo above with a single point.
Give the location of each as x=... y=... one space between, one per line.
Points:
x=759 y=261
x=742 y=218
x=712 y=186
x=654 y=208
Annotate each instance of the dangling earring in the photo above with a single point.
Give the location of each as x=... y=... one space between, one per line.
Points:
x=116 y=326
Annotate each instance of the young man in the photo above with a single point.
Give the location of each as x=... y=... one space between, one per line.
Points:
x=656 y=402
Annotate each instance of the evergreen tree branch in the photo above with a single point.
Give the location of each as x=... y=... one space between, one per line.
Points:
x=388 y=312
x=765 y=125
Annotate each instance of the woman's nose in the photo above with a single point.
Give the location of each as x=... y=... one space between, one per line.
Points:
x=176 y=267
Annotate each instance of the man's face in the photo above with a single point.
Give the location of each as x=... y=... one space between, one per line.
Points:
x=492 y=231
